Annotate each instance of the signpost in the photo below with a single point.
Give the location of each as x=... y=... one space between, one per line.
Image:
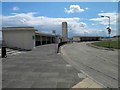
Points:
x=108 y=28
x=109 y=32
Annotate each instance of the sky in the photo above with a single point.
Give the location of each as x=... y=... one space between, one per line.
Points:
x=60 y=0
x=0 y=20
x=83 y=18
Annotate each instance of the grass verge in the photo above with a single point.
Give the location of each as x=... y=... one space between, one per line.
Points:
x=113 y=44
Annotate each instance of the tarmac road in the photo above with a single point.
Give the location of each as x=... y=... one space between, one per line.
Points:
x=100 y=65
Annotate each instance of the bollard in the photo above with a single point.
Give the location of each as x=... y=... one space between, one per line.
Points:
x=3 y=52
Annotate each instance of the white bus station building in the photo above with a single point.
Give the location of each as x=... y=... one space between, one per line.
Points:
x=25 y=38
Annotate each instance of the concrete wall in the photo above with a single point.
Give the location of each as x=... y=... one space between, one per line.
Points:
x=23 y=39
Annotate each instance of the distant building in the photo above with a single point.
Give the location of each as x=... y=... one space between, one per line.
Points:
x=117 y=36
x=86 y=38
x=64 y=32
x=25 y=38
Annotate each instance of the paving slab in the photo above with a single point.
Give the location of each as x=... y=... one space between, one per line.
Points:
x=39 y=68
x=87 y=83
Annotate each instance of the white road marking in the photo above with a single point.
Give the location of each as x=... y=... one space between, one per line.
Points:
x=10 y=52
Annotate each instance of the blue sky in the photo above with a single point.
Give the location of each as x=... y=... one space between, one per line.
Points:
x=83 y=18
x=0 y=21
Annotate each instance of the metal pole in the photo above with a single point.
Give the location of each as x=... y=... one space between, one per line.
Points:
x=109 y=21
x=108 y=29
x=109 y=40
x=55 y=41
x=54 y=33
x=85 y=36
x=55 y=44
x=109 y=32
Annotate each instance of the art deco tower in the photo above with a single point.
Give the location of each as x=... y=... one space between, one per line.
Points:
x=64 y=32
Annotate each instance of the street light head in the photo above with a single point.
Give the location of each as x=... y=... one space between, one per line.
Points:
x=102 y=16
x=106 y=16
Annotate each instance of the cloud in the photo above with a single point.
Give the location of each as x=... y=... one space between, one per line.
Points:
x=86 y=8
x=104 y=21
x=74 y=9
x=101 y=11
x=42 y=23
x=94 y=32
x=47 y=24
x=15 y=8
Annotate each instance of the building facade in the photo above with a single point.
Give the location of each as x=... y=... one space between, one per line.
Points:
x=19 y=37
x=43 y=38
x=25 y=38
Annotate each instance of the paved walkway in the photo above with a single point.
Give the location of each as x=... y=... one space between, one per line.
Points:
x=11 y=52
x=40 y=68
x=87 y=83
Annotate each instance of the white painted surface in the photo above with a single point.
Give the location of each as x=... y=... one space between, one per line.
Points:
x=19 y=38
x=76 y=39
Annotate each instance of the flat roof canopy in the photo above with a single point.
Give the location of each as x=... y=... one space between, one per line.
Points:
x=44 y=34
x=18 y=28
x=88 y=36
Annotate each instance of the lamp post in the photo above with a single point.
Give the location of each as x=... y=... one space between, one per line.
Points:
x=109 y=29
x=54 y=33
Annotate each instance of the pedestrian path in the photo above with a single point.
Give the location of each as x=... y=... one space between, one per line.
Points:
x=87 y=83
x=11 y=52
x=14 y=52
x=40 y=68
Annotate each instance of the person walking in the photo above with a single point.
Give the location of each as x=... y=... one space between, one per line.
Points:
x=59 y=44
